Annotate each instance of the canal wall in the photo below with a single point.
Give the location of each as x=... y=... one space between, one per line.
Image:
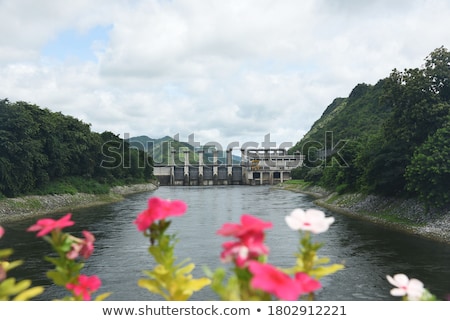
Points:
x=404 y=215
x=14 y=209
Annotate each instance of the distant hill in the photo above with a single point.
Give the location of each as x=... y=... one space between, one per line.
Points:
x=159 y=149
x=361 y=113
x=44 y=152
x=396 y=133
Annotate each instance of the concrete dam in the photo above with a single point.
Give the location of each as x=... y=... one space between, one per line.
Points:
x=257 y=167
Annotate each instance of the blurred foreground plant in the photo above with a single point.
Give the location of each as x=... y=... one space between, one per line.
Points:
x=10 y=288
x=409 y=289
x=251 y=276
x=172 y=280
x=71 y=253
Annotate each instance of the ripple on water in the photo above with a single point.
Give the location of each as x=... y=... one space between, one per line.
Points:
x=368 y=252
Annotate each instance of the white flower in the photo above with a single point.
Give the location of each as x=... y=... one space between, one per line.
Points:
x=412 y=288
x=312 y=220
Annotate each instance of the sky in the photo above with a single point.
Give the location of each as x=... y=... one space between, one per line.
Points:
x=229 y=72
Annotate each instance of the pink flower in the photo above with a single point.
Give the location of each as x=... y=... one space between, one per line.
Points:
x=87 y=245
x=2 y=273
x=84 y=286
x=250 y=243
x=312 y=220
x=47 y=225
x=82 y=247
x=249 y=247
x=269 y=279
x=159 y=209
x=412 y=288
x=307 y=283
x=249 y=224
x=2 y=231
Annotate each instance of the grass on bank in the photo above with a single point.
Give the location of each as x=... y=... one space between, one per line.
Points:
x=389 y=212
x=82 y=192
x=292 y=183
x=74 y=185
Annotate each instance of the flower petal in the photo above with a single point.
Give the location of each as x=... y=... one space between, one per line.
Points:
x=398 y=292
x=400 y=280
x=295 y=219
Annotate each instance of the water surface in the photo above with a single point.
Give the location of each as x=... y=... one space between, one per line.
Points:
x=369 y=252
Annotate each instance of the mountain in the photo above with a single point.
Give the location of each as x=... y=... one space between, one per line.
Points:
x=390 y=139
x=159 y=149
x=362 y=113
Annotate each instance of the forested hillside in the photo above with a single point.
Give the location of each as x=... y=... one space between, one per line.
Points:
x=46 y=152
x=362 y=113
x=392 y=138
x=160 y=148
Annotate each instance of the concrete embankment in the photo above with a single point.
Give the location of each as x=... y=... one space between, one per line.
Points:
x=13 y=209
x=403 y=215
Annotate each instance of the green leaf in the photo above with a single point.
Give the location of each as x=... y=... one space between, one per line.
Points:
x=11 y=265
x=57 y=277
x=102 y=297
x=187 y=269
x=6 y=253
x=29 y=293
x=322 y=260
x=152 y=286
x=322 y=271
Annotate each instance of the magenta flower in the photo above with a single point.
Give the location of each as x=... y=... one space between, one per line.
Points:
x=250 y=243
x=84 y=286
x=271 y=280
x=307 y=283
x=159 y=209
x=312 y=220
x=82 y=247
x=46 y=225
x=412 y=288
x=249 y=247
x=88 y=244
x=2 y=231
x=249 y=224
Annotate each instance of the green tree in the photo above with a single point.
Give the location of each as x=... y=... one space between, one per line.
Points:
x=438 y=70
x=39 y=148
x=417 y=112
x=20 y=149
x=343 y=176
x=429 y=172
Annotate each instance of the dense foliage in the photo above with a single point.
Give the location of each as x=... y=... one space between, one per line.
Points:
x=43 y=151
x=160 y=150
x=389 y=139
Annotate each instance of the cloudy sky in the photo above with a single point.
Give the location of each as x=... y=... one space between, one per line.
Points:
x=225 y=71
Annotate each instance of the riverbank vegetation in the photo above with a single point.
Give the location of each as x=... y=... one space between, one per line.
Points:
x=44 y=152
x=408 y=215
x=390 y=139
x=18 y=208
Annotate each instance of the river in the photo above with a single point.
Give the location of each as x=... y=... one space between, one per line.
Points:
x=369 y=252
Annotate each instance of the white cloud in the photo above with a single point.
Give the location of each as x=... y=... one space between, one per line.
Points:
x=223 y=70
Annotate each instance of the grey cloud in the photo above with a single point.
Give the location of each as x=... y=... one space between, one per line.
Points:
x=227 y=70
